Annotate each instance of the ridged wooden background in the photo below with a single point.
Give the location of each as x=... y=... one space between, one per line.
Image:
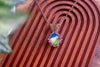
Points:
x=80 y=33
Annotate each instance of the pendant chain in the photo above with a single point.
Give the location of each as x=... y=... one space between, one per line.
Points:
x=64 y=17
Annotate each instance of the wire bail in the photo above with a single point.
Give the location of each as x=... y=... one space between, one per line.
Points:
x=54 y=27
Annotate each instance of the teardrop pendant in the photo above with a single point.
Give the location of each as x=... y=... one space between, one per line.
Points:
x=54 y=38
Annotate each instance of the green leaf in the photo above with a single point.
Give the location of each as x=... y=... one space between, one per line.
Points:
x=9 y=21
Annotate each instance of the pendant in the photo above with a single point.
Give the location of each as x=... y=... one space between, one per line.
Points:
x=54 y=38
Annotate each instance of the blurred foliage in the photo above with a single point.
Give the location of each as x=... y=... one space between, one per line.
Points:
x=9 y=21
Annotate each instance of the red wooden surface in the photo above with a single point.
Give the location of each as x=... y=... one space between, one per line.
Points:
x=80 y=33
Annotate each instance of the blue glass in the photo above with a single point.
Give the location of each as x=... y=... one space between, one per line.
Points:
x=54 y=35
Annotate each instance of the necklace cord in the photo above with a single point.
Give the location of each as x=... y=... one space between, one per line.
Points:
x=69 y=12
x=64 y=17
x=42 y=12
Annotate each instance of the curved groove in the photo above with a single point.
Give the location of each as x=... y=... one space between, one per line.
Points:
x=86 y=21
x=81 y=36
x=85 y=41
x=95 y=34
x=89 y=39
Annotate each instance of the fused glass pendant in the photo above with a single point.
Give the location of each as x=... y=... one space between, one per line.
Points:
x=55 y=39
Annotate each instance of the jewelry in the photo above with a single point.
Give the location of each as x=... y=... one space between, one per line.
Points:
x=55 y=38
